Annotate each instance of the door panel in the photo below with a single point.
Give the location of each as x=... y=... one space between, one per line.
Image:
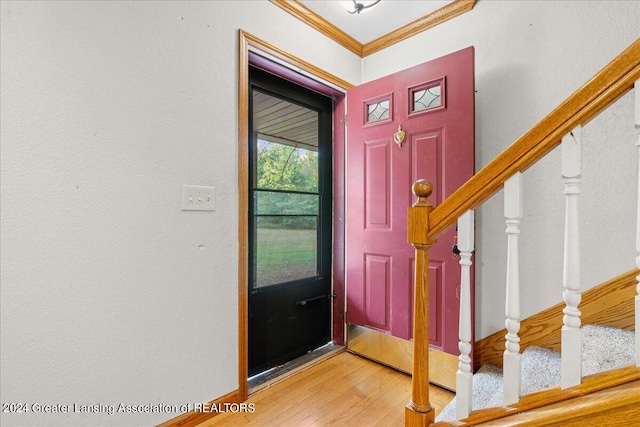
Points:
x=290 y=217
x=376 y=290
x=377 y=177
x=435 y=303
x=426 y=154
x=433 y=103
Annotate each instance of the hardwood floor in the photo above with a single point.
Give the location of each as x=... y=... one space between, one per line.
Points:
x=345 y=390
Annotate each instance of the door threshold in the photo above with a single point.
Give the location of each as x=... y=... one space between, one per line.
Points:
x=274 y=375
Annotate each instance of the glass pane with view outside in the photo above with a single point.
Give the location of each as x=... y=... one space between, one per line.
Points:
x=286 y=204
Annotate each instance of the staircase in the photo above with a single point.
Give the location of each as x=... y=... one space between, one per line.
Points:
x=576 y=364
x=603 y=349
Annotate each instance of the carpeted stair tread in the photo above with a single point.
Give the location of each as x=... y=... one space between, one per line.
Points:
x=540 y=369
x=487 y=392
x=603 y=348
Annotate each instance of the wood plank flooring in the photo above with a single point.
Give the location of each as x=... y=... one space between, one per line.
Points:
x=345 y=390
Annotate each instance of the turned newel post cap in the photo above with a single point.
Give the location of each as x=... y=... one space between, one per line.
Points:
x=423 y=189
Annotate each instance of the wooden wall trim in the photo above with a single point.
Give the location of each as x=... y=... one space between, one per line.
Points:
x=437 y=17
x=317 y=22
x=294 y=61
x=608 y=304
x=308 y=16
x=243 y=215
x=192 y=419
x=613 y=81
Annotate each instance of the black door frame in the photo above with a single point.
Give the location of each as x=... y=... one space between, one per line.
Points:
x=281 y=326
x=324 y=82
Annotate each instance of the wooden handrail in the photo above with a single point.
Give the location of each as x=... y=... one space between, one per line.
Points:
x=602 y=90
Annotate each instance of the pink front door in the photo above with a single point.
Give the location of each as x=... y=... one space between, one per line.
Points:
x=433 y=104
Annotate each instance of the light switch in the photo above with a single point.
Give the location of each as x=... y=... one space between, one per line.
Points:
x=198 y=198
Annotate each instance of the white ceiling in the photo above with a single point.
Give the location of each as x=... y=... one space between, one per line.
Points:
x=381 y=19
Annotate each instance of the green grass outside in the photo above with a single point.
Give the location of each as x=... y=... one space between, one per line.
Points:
x=284 y=255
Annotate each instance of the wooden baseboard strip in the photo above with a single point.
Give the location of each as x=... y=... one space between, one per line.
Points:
x=193 y=418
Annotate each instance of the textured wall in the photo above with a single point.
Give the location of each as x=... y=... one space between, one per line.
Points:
x=529 y=57
x=110 y=293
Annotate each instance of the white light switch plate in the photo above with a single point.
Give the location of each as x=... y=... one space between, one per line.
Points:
x=198 y=198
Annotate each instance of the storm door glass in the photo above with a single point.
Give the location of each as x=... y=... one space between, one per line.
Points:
x=285 y=191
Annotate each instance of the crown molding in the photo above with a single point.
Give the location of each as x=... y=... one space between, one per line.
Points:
x=436 y=17
x=306 y=15
x=317 y=22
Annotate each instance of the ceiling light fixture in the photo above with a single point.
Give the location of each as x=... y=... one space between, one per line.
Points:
x=354 y=6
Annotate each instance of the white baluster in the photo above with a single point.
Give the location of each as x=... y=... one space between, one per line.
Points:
x=464 y=376
x=571 y=348
x=512 y=383
x=637 y=94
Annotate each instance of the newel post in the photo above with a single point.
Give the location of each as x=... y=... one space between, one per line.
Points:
x=419 y=411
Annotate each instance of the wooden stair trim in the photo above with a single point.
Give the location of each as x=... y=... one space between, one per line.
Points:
x=613 y=81
x=612 y=407
x=590 y=384
x=608 y=304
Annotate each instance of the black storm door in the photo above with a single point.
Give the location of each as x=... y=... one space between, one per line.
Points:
x=290 y=199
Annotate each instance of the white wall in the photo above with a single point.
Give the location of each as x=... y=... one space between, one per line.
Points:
x=110 y=293
x=530 y=56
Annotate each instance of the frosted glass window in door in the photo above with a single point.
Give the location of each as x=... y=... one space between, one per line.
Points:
x=426 y=99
